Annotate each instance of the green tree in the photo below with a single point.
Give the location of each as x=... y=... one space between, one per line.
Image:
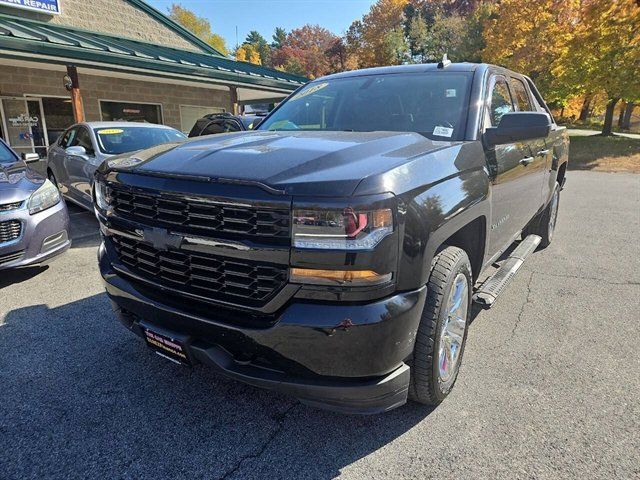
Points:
x=279 y=37
x=260 y=45
x=198 y=26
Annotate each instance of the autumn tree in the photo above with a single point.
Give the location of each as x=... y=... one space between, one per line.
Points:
x=530 y=37
x=198 y=26
x=248 y=53
x=310 y=47
x=375 y=40
x=604 y=52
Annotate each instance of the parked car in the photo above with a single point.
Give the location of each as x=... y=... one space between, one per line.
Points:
x=73 y=159
x=224 y=123
x=34 y=224
x=332 y=253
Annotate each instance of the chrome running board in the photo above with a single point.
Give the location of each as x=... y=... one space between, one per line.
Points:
x=492 y=287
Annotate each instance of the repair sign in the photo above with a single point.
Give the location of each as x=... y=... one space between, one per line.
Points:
x=51 y=7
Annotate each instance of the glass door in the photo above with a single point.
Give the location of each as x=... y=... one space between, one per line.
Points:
x=23 y=125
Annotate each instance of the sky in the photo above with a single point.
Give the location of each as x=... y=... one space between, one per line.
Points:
x=265 y=15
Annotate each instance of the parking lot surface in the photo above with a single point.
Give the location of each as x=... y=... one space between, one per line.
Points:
x=549 y=386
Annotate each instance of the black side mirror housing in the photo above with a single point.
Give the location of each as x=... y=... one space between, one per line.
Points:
x=517 y=126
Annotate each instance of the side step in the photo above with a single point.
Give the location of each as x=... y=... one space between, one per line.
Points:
x=488 y=292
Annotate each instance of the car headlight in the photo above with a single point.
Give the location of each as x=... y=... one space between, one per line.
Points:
x=101 y=195
x=45 y=197
x=345 y=229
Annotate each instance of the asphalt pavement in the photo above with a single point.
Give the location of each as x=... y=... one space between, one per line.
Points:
x=549 y=386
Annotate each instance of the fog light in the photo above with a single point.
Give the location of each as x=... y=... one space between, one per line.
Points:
x=338 y=277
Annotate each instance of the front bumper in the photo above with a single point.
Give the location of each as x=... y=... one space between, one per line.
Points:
x=342 y=357
x=44 y=236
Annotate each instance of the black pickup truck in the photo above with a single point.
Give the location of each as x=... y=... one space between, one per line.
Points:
x=334 y=253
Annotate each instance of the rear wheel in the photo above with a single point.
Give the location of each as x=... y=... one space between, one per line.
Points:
x=442 y=333
x=545 y=224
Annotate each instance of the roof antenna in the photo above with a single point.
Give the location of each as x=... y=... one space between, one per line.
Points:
x=445 y=62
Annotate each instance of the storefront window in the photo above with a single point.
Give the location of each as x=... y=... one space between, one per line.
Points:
x=58 y=114
x=130 y=112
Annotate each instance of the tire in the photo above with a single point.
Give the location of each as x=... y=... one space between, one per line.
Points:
x=431 y=381
x=544 y=224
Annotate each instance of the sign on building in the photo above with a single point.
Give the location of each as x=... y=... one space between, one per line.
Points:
x=51 y=7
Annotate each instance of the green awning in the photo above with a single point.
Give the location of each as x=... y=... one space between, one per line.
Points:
x=64 y=45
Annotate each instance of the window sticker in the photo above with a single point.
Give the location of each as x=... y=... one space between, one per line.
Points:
x=110 y=131
x=450 y=92
x=309 y=91
x=443 y=131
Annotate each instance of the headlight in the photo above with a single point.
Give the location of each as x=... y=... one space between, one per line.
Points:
x=101 y=195
x=345 y=229
x=45 y=197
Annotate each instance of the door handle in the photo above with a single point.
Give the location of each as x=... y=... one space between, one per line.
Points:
x=542 y=153
x=526 y=161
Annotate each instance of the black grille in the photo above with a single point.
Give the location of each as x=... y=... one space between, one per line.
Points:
x=10 y=230
x=213 y=277
x=173 y=211
x=5 y=207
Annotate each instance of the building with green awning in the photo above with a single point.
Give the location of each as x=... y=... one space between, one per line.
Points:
x=127 y=61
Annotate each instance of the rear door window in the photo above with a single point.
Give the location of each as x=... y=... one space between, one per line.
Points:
x=83 y=139
x=522 y=96
x=68 y=137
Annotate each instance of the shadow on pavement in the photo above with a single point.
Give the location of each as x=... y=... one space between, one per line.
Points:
x=82 y=396
x=19 y=275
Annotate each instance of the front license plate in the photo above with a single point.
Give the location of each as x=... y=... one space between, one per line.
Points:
x=167 y=347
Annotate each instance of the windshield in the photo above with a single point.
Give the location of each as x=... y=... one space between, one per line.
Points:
x=117 y=140
x=6 y=155
x=432 y=104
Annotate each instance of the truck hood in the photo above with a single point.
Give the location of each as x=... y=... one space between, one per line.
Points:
x=295 y=163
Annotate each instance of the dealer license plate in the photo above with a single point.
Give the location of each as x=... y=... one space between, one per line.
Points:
x=167 y=347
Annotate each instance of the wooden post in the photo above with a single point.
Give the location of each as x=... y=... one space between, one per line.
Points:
x=234 y=100
x=76 y=97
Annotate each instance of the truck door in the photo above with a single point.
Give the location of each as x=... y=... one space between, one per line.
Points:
x=515 y=193
x=541 y=152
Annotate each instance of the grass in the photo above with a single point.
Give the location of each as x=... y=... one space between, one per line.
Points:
x=605 y=154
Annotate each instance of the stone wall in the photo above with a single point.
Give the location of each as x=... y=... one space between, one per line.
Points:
x=113 y=17
x=17 y=81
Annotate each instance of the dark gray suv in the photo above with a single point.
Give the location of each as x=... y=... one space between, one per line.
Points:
x=34 y=223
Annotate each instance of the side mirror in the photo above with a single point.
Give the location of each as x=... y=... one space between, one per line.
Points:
x=517 y=126
x=30 y=157
x=77 y=151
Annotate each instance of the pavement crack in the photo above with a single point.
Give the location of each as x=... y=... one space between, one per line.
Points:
x=280 y=419
x=524 y=305
x=582 y=277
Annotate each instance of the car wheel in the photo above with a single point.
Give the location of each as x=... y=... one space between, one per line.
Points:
x=442 y=332
x=545 y=224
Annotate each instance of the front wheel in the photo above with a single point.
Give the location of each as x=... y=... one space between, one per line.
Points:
x=442 y=332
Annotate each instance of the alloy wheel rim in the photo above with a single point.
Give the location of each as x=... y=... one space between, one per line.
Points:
x=452 y=332
x=553 y=214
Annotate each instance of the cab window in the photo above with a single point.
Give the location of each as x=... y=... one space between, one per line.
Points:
x=500 y=101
